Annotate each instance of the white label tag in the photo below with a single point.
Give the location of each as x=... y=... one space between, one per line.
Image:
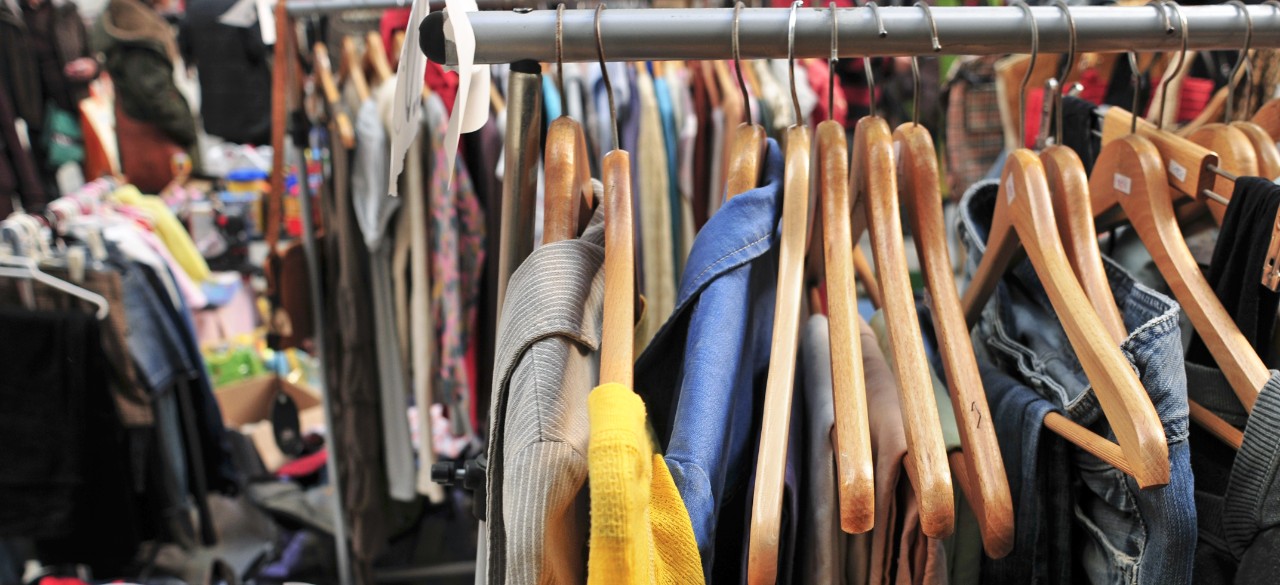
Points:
x=897 y=150
x=1178 y=171
x=1122 y=183
x=1008 y=189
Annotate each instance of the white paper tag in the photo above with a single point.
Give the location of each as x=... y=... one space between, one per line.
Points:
x=897 y=152
x=1178 y=171
x=470 y=108
x=407 y=104
x=1122 y=183
x=1008 y=189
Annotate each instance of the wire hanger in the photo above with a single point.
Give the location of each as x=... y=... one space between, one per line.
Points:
x=567 y=194
x=746 y=147
x=766 y=510
x=26 y=268
x=1023 y=219
x=855 y=469
x=617 y=341
x=874 y=183
x=979 y=465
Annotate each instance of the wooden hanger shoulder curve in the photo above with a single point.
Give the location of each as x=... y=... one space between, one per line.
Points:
x=854 y=467
x=1134 y=164
x=568 y=193
x=980 y=466
x=873 y=178
x=329 y=88
x=766 y=516
x=1264 y=147
x=1187 y=163
x=1236 y=155
x=1024 y=216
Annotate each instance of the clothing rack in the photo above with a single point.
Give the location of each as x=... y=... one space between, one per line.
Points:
x=309 y=7
x=706 y=33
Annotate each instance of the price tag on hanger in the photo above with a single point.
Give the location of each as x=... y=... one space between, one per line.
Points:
x=1178 y=171
x=471 y=108
x=1122 y=183
x=1008 y=189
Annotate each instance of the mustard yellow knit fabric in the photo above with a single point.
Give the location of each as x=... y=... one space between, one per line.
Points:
x=640 y=530
x=169 y=229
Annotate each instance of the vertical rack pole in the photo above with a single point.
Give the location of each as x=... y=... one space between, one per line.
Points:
x=317 y=316
x=520 y=171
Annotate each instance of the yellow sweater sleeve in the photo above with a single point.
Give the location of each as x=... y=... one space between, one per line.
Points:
x=640 y=530
x=170 y=231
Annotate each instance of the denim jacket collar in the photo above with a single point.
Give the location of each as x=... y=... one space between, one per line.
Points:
x=742 y=230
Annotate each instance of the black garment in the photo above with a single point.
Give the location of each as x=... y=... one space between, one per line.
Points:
x=18 y=176
x=1078 y=126
x=235 y=72
x=66 y=478
x=56 y=36
x=1236 y=269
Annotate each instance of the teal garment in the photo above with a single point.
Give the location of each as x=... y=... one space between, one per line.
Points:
x=550 y=99
x=964 y=546
x=671 y=137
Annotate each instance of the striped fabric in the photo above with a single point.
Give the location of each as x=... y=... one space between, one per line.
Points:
x=546 y=364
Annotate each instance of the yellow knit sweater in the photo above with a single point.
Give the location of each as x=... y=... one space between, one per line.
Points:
x=640 y=530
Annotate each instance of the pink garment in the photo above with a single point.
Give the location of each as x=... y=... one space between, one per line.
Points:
x=234 y=318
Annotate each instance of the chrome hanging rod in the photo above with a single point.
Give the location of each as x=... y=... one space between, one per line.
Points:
x=313 y=7
x=705 y=33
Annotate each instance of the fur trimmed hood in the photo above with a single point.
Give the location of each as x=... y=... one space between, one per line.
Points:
x=132 y=22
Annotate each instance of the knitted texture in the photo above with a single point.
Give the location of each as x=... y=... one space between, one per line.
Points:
x=640 y=530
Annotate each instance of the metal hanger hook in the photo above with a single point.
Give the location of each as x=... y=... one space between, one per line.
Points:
x=791 y=59
x=1066 y=69
x=1182 y=58
x=564 y=102
x=831 y=62
x=1242 y=60
x=604 y=74
x=1031 y=67
x=1136 y=78
x=866 y=61
x=737 y=64
x=915 y=62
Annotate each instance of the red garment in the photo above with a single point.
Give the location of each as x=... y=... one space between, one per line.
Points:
x=1035 y=101
x=818 y=79
x=441 y=82
x=1196 y=93
x=304 y=466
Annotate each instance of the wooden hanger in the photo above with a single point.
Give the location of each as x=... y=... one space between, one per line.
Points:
x=747 y=145
x=375 y=55
x=979 y=467
x=1132 y=164
x=875 y=190
x=874 y=183
x=567 y=194
x=1268 y=117
x=1236 y=155
x=350 y=68
x=771 y=462
x=855 y=469
x=1268 y=156
x=983 y=480
x=617 y=339
x=1187 y=164
x=870 y=284
x=329 y=89
x=1024 y=218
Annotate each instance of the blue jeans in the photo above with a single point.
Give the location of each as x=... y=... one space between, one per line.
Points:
x=1130 y=536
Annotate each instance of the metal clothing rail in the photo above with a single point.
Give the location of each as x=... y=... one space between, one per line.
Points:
x=706 y=33
x=310 y=7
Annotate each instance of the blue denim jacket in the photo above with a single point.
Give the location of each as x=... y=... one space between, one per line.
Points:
x=704 y=371
x=1132 y=536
